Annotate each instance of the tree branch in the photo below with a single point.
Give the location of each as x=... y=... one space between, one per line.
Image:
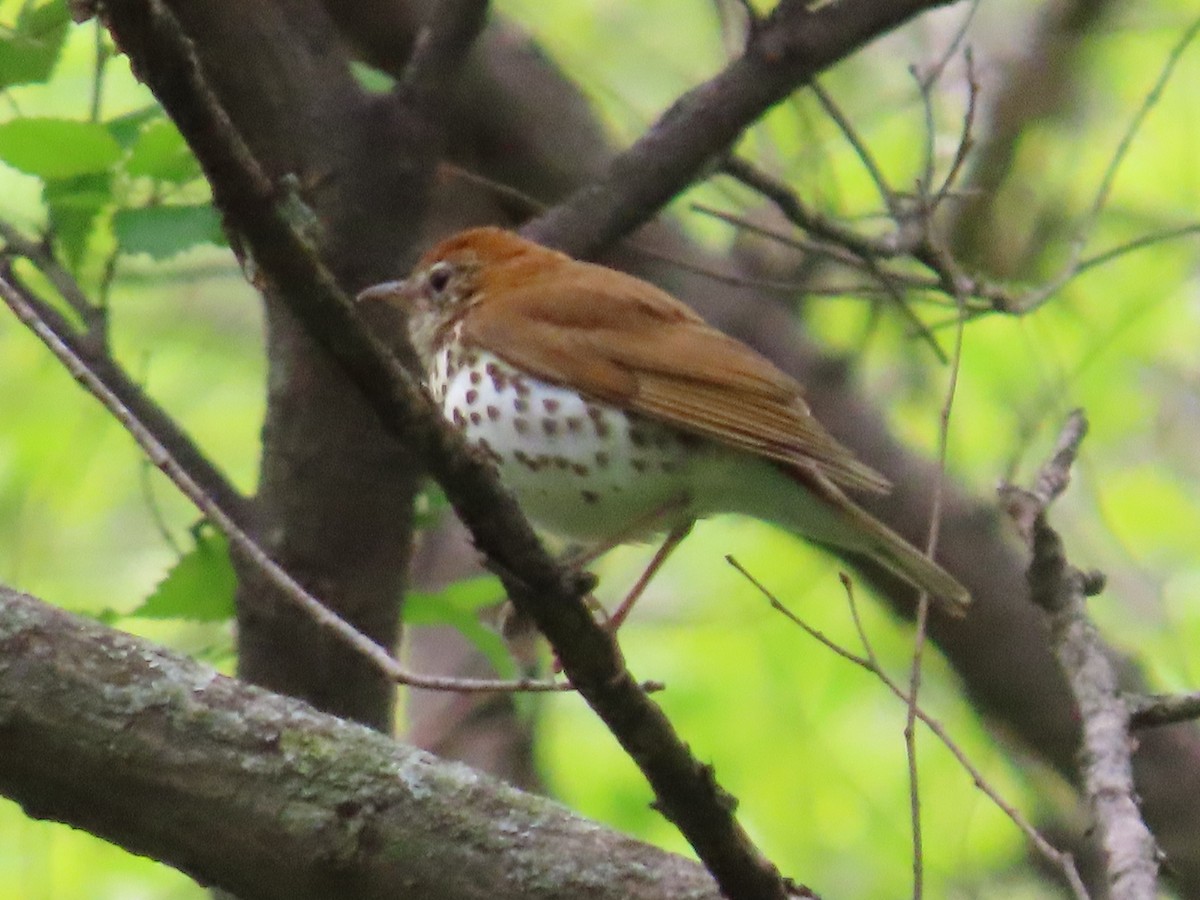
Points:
x=686 y=791
x=795 y=42
x=266 y=797
x=1131 y=855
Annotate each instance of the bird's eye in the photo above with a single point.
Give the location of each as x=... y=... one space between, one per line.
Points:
x=438 y=277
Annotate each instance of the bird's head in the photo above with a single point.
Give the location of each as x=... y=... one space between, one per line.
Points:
x=455 y=275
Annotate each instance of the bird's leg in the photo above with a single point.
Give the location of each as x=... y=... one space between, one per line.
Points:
x=673 y=539
x=582 y=556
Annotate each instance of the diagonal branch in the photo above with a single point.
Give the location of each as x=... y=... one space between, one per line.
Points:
x=1106 y=752
x=795 y=42
x=129 y=395
x=685 y=789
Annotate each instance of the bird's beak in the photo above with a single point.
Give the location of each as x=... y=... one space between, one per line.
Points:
x=395 y=293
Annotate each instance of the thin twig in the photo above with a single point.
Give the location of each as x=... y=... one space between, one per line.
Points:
x=844 y=245
x=1063 y=861
x=40 y=254
x=162 y=458
x=860 y=149
x=1126 y=143
x=921 y=628
x=925 y=180
x=1083 y=234
x=1163 y=709
x=966 y=138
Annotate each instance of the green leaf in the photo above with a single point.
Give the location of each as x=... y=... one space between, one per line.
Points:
x=127 y=129
x=74 y=205
x=163 y=231
x=431 y=505
x=29 y=51
x=458 y=606
x=200 y=585
x=370 y=79
x=161 y=153
x=57 y=148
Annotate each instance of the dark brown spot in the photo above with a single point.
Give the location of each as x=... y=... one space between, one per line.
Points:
x=499 y=379
x=472 y=396
x=526 y=460
x=639 y=465
x=476 y=418
x=551 y=405
x=550 y=426
x=602 y=459
x=638 y=437
x=544 y=460
x=520 y=385
x=579 y=469
x=489 y=451
x=561 y=462
x=521 y=405
x=475 y=376
x=590 y=496
x=457 y=418
x=471 y=359
x=521 y=426
x=574 y=424
x=493 y=413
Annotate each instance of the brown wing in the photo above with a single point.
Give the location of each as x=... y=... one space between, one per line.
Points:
x=622 y=340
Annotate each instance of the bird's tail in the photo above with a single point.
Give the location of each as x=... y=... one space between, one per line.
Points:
x=905 y=561
x=822 y=513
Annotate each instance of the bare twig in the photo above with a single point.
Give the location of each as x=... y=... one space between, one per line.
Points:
x=95 y=355
x=886 y=194
x=1163 y=709
x=966 y=139
x=1087 y=226
x=40 y=254
x=914 y=681
x=1131 y=855
x=870 y=663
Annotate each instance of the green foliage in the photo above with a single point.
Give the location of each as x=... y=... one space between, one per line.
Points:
x=73 y=209
x=30 y=48
x=159 y=152
x=57 y=148
x=200 y=586
x=163 y=231
x=459 y=605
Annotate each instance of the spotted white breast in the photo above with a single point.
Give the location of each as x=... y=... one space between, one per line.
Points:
x=582 y=469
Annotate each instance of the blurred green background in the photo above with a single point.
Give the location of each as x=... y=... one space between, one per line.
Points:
x=811 y=746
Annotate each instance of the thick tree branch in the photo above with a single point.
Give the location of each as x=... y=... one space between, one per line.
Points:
x=266 y=797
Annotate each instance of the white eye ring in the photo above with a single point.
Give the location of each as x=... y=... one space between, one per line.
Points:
x=438 y=276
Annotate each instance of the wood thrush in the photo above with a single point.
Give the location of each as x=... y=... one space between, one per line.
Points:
x=614 y=412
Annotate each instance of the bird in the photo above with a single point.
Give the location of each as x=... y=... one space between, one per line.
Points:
x=615 y=413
